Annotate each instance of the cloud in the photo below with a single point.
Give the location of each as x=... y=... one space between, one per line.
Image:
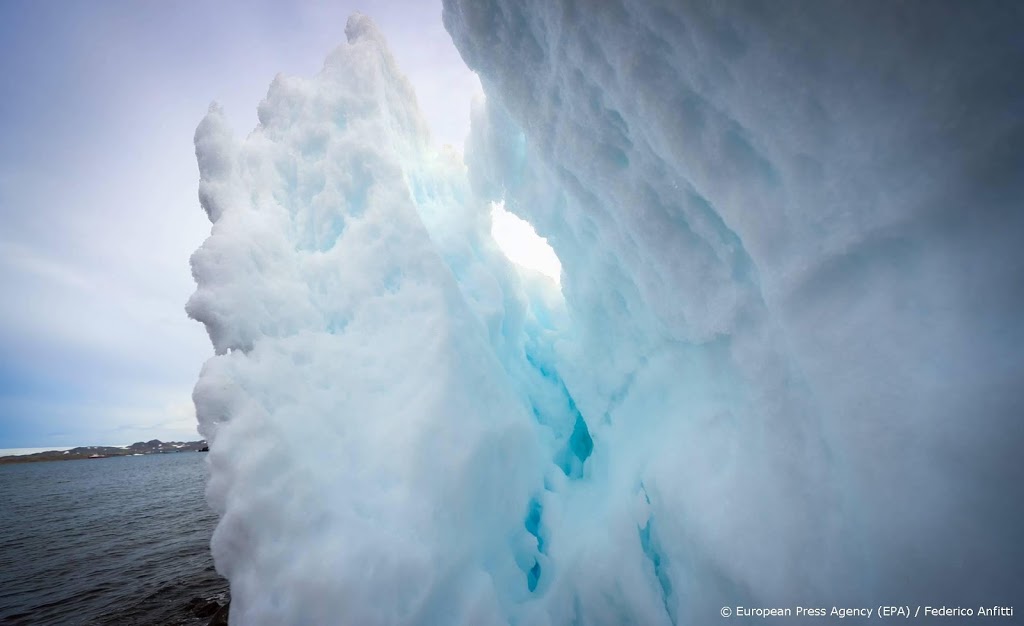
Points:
x=16 y=257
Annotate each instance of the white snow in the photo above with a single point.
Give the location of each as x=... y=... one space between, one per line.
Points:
x=779 y=367
x=23 y=451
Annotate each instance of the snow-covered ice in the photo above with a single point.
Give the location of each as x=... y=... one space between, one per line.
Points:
x=780 y=365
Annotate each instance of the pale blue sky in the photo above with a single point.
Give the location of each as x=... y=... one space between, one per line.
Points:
x=98 y=208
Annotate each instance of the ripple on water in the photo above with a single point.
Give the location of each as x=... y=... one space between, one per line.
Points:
x=111 y=541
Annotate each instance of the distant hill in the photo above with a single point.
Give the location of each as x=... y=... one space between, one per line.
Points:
x=154 y=446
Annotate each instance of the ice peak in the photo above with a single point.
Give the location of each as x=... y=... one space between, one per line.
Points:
x=360 y=27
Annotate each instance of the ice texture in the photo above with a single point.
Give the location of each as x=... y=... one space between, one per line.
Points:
x=782 y=366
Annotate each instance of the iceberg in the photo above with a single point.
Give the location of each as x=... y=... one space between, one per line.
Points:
x=780 y=365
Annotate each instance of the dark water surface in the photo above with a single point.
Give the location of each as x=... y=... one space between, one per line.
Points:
x=120 y=540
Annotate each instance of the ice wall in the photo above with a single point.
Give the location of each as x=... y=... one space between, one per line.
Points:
x=780 y=369
x=790 y=238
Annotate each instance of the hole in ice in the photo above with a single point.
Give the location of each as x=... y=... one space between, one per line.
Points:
x=533 y=576
x=522 y=245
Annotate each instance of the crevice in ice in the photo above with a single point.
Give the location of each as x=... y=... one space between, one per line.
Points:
x=649 y=545
x=531 y=563
x=622 y=392
x=532 y=522
x=577 y=612
x=579 y=445
x=533 y=576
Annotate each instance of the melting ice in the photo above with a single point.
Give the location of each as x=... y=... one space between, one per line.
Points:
x=781 y=367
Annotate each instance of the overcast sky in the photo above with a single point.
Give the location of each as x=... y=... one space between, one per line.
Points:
x=98 y=205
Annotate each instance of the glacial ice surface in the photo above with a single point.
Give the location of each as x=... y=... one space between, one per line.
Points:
x=781 y=367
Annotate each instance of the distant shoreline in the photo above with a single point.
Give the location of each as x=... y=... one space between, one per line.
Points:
x=139 y=448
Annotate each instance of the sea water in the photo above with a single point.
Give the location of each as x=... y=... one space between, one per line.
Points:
x=120 y=540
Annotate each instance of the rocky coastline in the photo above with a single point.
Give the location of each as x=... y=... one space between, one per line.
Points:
x=216 y=610
x=154 y=446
